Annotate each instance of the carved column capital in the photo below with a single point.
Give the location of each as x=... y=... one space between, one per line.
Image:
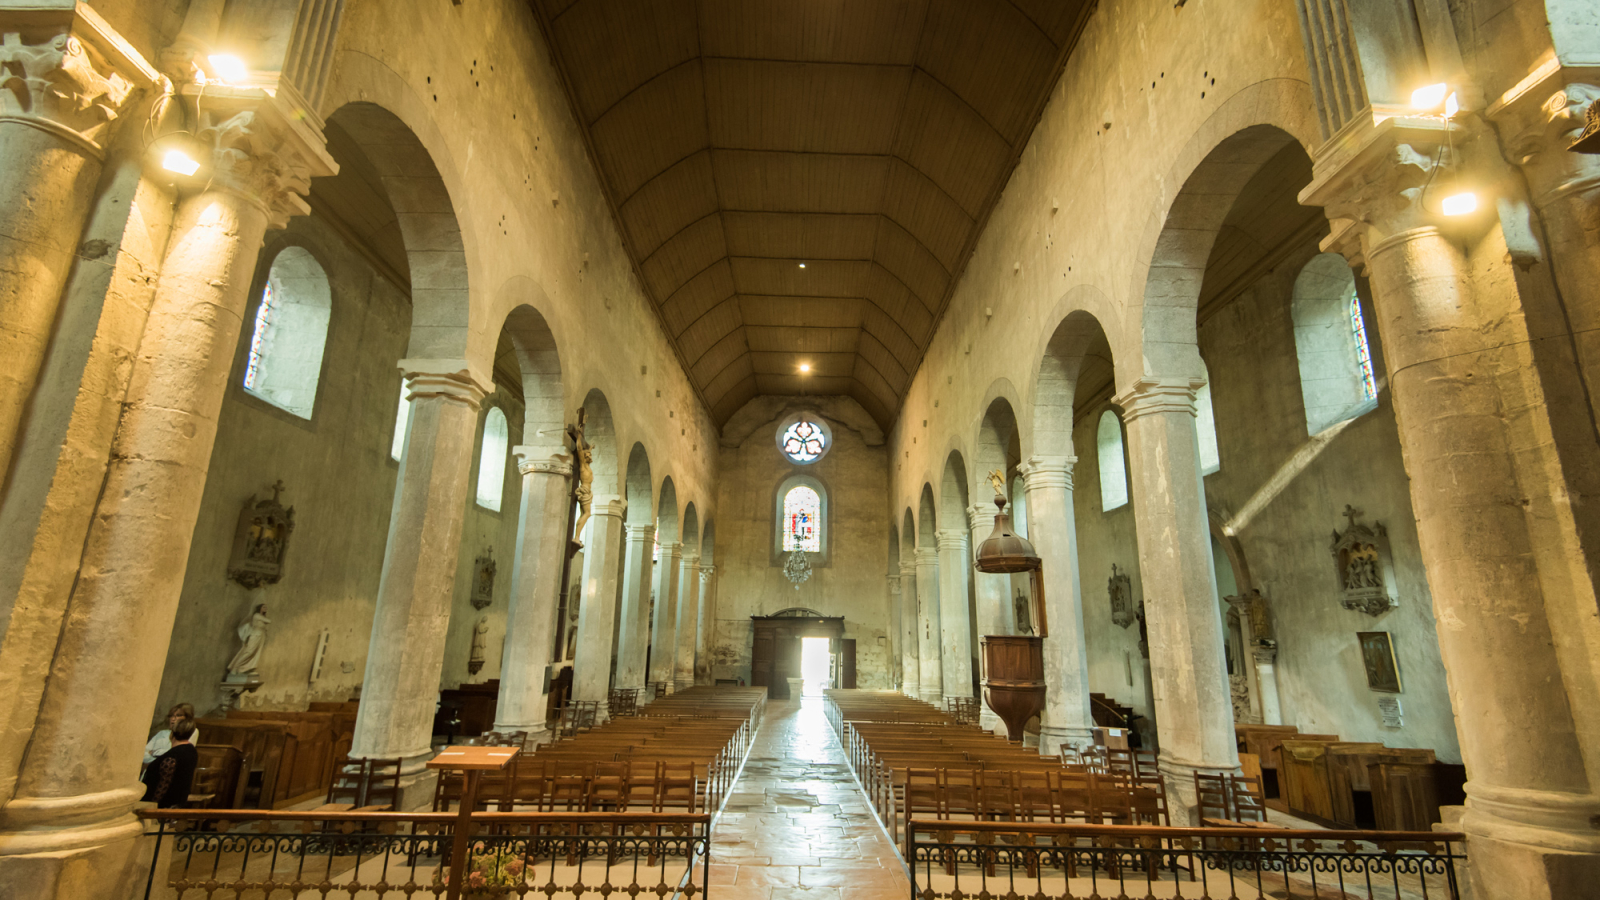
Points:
x=1389 y=184
x=259 y=147
x=540 y=461
x=926 y=556
x=894 y=582
x=706 y=572
x=671 y=548
x=951 y=540
x=1265 y=654
x=641 y=534
x=452 y=379
x=690 y=560
x=1540 y=121
x=908 y=567
x=67 y=72
x=1041 y=472
x=1159 y=395
x=980 y=516
x=609 y=506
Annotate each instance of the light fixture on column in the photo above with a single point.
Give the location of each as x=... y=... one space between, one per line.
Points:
x=1013 y=683
x=228 y=69
x=1436 y=98
x=176 y=160
x=1461 y=204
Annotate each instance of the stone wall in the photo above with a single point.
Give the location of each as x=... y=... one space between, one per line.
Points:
x=339 y=478
x=851 y=583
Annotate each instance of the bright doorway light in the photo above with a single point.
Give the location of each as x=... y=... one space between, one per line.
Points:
x=815 y=663
x=1460 y=204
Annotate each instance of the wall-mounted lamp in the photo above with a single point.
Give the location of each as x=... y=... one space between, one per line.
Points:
x=1464 y=203
x=1436 y=97
x=180 y=162
x=805 y=368
x=228 y=69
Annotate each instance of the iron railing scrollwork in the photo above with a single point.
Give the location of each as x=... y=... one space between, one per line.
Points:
x=250 y=853
x=949 y=860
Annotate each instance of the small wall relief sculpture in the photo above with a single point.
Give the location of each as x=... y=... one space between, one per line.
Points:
x=261 y=540
x=1120 y=588
x=1361 y=557
x=483 y=579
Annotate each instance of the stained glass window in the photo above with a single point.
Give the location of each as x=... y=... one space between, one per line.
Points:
x=1358 y=328
x=803 y=443
x=802 y=511
x=258 y=338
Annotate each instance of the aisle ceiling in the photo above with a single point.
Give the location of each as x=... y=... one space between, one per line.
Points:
x=866 y=139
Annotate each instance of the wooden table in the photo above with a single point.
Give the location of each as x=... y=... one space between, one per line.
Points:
x=473 y=762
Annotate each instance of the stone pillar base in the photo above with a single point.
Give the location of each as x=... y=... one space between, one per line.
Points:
x=1531 y=845
x=1051 y=738
x=990 y=722
x=58 y=847
x=1182 y=801
x=934 y=697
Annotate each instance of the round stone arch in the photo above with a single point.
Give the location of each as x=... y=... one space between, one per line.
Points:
x=535 y=353
x=667 y=511
x=780 y=490
x=394 y=126
x=638 y=487
x=1081 y=315
x=927 y=518
x=908 y=537
x=954 y=491
x=997 y=432
x=1055 y=388
x=600 y=432
x=690 y=535
x=1213 y=167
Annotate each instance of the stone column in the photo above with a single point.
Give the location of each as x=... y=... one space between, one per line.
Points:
x=955 y=613
x=707 y=625
x=535 y=587
x=70 y=796
x=688 y=611
x=993 y=595
x=1193 y=700
x=663 y=651
x=930 y=683
x=896 y=631
x=597 y=612
x=1265 y=659
x=406 y=654
x=1053 y=531
x=1455 y=345
x=74 y=75
x=910 y=649
x=633 y=629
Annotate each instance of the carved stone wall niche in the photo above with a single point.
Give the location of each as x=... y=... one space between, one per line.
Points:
x=1363 y=567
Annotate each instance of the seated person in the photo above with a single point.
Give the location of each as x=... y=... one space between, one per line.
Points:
x=161 y=741
x=168 y=778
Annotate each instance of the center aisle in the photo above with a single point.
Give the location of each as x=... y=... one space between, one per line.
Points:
x=796 y=825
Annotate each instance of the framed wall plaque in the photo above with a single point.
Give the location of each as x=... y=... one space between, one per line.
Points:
x=1377 y=657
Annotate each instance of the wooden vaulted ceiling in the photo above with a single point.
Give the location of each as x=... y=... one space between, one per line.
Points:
x=867 y=139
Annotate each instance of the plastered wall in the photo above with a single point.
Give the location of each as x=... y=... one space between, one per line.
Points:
x=852 y=584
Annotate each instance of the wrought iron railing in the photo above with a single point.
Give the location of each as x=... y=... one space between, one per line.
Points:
x=249 y=854
x=949 y=860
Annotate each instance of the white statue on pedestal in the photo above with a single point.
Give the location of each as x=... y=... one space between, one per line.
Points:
x=480 y=640
x=253 y=632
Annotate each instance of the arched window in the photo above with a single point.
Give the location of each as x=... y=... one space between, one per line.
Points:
x=1337 y=379
x=492 y=459
x=802 y=520
x=401 y=419
x=289 y=333
x=1113 y=467
x=1206 y=428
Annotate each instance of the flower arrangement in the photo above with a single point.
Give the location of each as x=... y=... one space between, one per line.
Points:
x=488 y=870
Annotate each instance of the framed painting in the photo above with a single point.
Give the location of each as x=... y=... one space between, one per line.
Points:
x=1377 y=657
